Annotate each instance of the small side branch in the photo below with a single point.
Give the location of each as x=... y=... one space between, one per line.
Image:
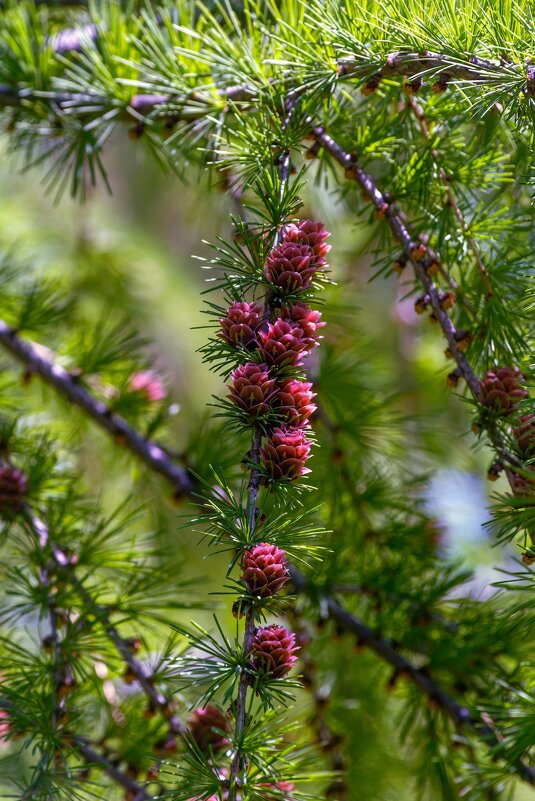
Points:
x=69 y=388
x=92 y=757
x=143 y=676
x=472 y=70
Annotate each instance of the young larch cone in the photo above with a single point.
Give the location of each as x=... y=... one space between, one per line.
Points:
x=502 y=389
x=285 y=453
x=148 y=384
x=202 y=724
x=265 y=569
x=291 y=266
x=308 y=232
x=309 y=320
x=241 y=323
x=13 y=489
x=294 y=401
x=283 y=344
x=252 y=389
x=525 y=434
x=274 y=650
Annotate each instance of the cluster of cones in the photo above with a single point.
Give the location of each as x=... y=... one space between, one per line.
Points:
x=501 y=391
x=279 y=405
x=262 y=387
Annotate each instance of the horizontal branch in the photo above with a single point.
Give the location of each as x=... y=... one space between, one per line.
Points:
x=411 y=65
x=470 y=69
x=69 y=388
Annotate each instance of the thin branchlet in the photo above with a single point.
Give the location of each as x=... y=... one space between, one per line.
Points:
x=69 y=387
x=64 y=563
x=400 y=231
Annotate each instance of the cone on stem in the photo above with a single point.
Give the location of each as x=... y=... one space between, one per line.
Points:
x=283 y=344
x=285 y=453
x=13 y=489
x=265 y=569
x=240 y=324
x=273 y=651
x=203 y=723
x=502 y=389
x=308 y=320
x=294 y=401
x=252 y=388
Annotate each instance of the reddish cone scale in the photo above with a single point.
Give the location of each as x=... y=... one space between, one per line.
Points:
x=292 y=265
x=307 y=232
x=309 y=320
x=264 y=569
x=241 y=323
x=285 y=453
x=252 y=389
x=295 y=401
x=273 y=651
x=525 y=434
x=284 y=344
x=13 y=489
x=202 y=724
x=501 y=389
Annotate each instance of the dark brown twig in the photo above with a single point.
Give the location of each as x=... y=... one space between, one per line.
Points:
x=422 y=262
x=68 y=387
x=92 y=757
x=460 y=715
x=473 y=69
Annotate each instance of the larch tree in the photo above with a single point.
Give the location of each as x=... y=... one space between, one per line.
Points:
x=335 y=649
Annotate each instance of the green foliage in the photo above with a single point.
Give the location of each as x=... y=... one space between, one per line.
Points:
x=236 y=90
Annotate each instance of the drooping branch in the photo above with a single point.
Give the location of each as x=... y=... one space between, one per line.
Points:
x=69 y=388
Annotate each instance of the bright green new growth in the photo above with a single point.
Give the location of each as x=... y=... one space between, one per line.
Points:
x=429 y=108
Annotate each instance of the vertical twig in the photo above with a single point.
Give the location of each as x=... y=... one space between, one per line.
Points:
x=252 y=513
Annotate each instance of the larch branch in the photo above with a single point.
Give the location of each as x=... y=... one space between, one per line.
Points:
x=422 y=264
x=150 y=453
x=460 y=715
